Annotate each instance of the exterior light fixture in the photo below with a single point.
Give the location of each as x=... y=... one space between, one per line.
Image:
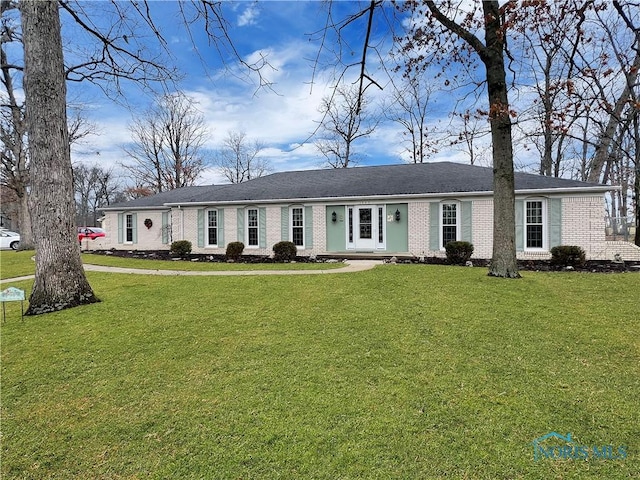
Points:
x=334 y=217
x=397 y=215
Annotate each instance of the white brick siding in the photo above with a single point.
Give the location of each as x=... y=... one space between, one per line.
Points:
x=582 y=224
x=419 y=228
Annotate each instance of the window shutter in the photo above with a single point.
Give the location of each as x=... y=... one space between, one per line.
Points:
x=240 y=212
x=519 y=225
x=555 y=222
x=434 y=226
x=262 y=227
x=221 y=228
x=165 y=227
x=134 y=221
x=308 y=226
x=201 y=227
x=284 y=224
x=120 y=227
x=466 y=231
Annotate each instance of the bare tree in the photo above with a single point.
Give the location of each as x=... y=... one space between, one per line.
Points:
x=552 y=34
x=490 y=20
x=95 y=187
x=629 y=60
x=14 y=173
x=14 y=169
x=167 y=149
x=60 y=280
x=469 y=136
x=345 y=120
x=409 y=108
x=239 y=158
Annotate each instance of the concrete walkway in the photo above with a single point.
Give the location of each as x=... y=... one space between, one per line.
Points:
x=350 y=267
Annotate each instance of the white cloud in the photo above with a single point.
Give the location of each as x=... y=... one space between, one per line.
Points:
x=248 y=16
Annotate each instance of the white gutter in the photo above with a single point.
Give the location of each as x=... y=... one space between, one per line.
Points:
x=162 y=208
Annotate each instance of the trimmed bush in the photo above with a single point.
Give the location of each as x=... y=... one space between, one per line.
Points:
x=284 y=252
x=567 y=255
x=458 y=253
x=181 y=248
x=234 y=250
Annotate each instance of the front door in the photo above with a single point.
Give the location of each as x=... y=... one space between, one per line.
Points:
x=364 y=231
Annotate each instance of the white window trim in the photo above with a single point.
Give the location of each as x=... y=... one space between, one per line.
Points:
x=206 y=228
x=545 y=225
x=128 y=216
x=350 y=230
x=246 y=227
x=381 y=245
x=291 y=226
x=441 y=225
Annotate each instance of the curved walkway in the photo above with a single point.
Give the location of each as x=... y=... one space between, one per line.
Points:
x=351 y=266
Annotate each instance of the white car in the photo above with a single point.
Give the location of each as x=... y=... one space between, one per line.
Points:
x=9 y=239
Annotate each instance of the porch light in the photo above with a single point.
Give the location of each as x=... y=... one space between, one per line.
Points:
x=334 y=217
x=397 y=215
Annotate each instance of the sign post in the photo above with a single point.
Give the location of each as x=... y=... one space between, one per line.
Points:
x=12 y=294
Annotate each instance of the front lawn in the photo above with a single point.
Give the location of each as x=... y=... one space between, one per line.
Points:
x=16 y=264
x=404 y=371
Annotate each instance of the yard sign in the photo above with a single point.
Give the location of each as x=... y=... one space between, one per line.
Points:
x=12 y=294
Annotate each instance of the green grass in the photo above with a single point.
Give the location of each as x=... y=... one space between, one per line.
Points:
x=113 y=261
x=16 y=264
x=399 y=372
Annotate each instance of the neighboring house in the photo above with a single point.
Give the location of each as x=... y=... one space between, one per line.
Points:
x=407 y=209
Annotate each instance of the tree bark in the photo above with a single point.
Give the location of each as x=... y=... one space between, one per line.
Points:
x=24 y=219
x=60 y=281
x=503 y=261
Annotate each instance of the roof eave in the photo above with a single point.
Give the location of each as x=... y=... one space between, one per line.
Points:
x=357 y=198
x=594 y=189
x=126 y=208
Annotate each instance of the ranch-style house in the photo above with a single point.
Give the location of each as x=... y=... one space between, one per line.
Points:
x=405 y=209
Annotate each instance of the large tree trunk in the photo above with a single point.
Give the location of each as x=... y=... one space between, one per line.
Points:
x=503 y=261
x=636 y=181
x=24 y=219
x=60 y=280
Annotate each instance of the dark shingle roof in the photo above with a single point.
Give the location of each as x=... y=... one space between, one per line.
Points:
x=184 y=194
x=401 y=179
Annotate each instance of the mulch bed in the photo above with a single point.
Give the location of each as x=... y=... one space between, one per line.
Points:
x=591 y=266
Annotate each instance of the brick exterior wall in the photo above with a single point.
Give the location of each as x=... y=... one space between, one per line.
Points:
x=578 y=212
x=419 y=228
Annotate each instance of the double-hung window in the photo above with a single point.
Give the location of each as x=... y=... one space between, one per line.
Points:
x=129 y=228
x=297 y=226
x=534 y=224
x=252 y=227
x=449 y=227
x=212 y=227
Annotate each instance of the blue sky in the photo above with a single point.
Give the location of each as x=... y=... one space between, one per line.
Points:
x=283 y=117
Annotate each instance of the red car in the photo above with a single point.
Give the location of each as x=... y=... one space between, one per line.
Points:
x=90 y=232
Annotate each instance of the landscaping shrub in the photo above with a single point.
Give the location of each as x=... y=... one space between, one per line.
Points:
x=458 y=253
x=567 y=255
x=181 y=248
x=284 y=251
x=234 y=250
